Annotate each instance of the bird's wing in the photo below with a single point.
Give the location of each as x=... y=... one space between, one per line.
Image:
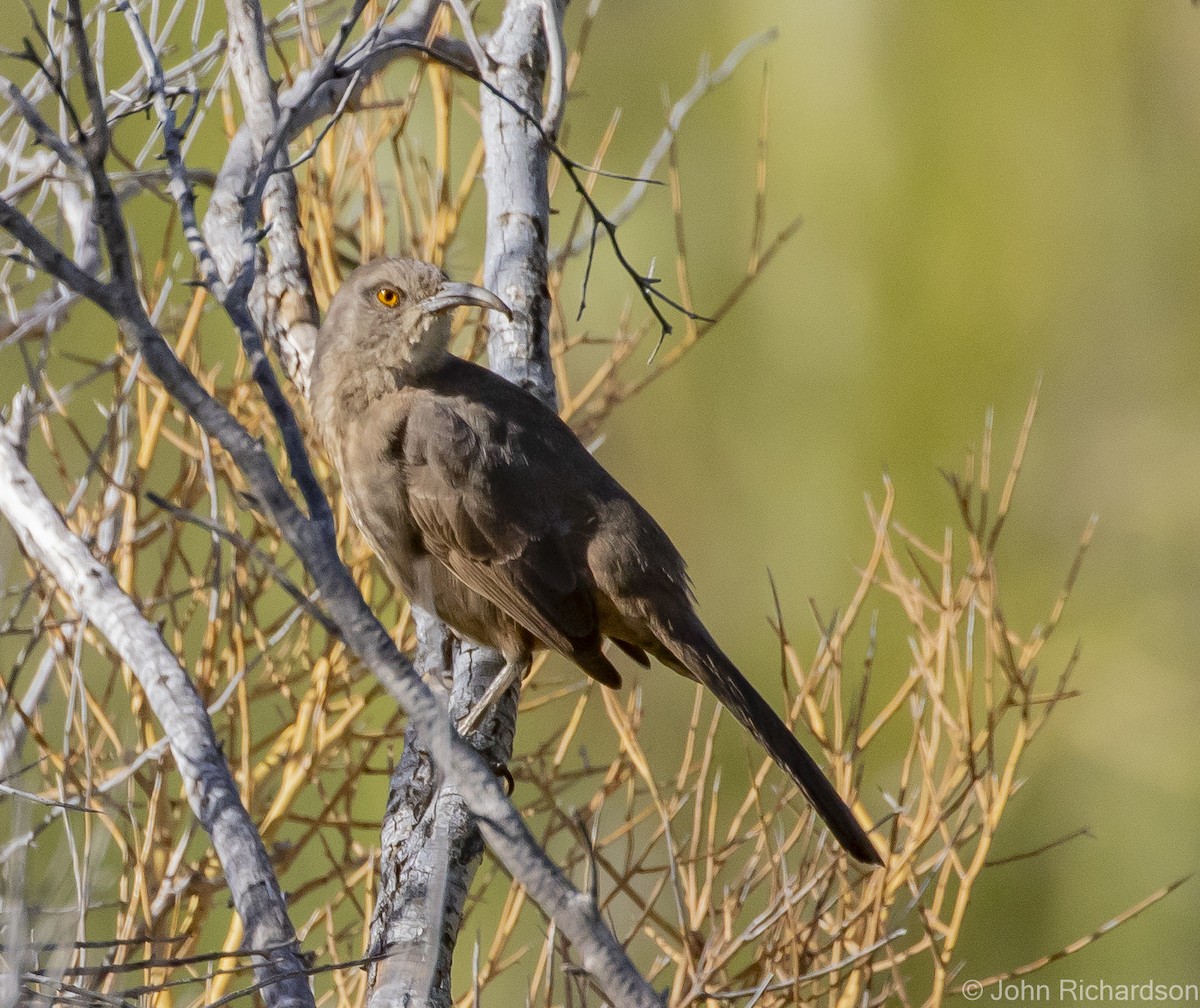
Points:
x=478 y=496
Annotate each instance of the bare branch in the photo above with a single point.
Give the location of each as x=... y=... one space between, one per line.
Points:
x=41 y=129
x=705 y=81
x=211 y=789
x=482 y=60
x=518 y=218
x=556 y=50
x=52 y=259
x=234 y=292
x=282 y=304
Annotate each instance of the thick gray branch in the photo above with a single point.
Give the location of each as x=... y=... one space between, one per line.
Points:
x=518 y=215
x=210 y=787
x=431 y=846
x=281 y=299
x=283 y=303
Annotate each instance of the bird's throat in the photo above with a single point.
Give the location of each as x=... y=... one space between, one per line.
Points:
x=423 y=348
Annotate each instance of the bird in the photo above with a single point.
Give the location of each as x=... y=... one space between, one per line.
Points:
x=485 y=508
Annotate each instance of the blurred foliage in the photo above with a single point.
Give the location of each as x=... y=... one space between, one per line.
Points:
x=991 y=193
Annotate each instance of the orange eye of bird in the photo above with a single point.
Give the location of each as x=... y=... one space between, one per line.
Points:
x=389 y=297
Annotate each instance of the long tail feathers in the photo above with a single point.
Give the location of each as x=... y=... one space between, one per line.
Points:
x=706 y=662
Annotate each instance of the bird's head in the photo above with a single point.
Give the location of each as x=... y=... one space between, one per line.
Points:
x=396 y=312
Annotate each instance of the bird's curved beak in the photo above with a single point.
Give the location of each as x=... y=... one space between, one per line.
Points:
x=451 y=295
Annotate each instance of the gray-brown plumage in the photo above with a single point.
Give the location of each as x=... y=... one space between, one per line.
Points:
x=485 y=508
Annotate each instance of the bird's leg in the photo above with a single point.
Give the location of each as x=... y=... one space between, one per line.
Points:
x=515 y=669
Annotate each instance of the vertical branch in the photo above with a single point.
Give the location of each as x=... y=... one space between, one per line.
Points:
x=518 y=216
x=282 y=292
x=431 y=844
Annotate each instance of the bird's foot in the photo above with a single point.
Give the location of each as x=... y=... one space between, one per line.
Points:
x=513 y=672
x=501 y=770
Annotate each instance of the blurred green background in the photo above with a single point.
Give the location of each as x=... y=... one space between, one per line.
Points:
x=991 y=192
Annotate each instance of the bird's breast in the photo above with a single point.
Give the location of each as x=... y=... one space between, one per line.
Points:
x=374 y=483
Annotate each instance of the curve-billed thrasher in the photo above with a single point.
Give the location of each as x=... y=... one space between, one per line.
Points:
x=485 y=508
